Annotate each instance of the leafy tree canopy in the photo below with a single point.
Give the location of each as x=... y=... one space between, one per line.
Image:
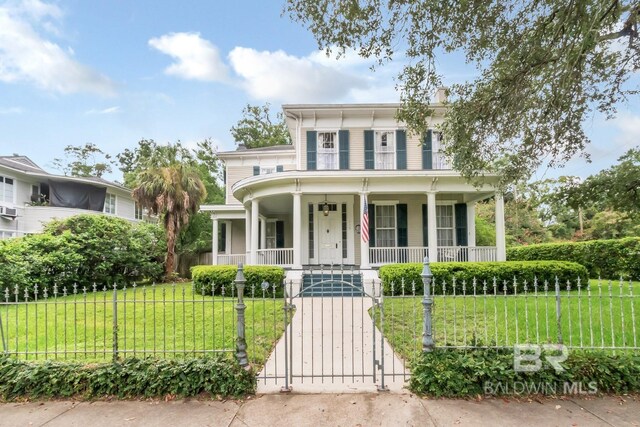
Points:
x=616 y=188
x=543 y=67
x=84 y=160
x=257 y=129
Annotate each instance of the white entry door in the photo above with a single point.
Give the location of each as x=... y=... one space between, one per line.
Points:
x=330 y=238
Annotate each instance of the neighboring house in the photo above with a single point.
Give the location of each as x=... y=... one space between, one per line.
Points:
x=303 y=204
x=30 y=197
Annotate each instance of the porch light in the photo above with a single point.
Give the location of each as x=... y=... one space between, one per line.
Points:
x=325 y=207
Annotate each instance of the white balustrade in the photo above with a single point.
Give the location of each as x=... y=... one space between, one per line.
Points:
x=282 y=256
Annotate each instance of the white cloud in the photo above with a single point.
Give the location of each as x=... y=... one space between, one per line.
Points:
x=279 y=76
x=11 y=110
x=25 y=56
x=196 y=58
x=110 y=110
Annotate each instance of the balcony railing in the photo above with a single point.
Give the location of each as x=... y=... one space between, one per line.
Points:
x=392 y=255
x=275 y=256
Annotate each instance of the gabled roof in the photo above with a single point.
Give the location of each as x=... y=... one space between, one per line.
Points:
x=28 y=167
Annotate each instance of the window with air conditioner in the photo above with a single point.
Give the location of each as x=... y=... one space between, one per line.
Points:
x=385 y=149
x=327 y=150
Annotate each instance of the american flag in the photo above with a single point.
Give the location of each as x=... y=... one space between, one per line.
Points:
x=364 y=228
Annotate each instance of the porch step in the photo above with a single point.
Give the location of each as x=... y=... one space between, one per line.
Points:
x=332 y=285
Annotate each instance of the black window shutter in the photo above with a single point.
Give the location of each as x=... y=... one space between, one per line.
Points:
x=401 y=217
x=343 y=138
x=427 y=151
x=425 y=226
x=369 y=160
x=401 y=149
x=372 y=225
x=312 y=147
x=222 y=238
x=256 y=170
x=279 y=168
x=279 y=234
x=461 y=224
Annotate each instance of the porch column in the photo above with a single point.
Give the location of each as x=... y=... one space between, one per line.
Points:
x=501 y=246
x=263 y=233
x=432 y=226
x=255 y=218
x=364 y=246
x=247 y=233
x=214 y=241
x=227 y=244
x=297 y=230
x=471 y=229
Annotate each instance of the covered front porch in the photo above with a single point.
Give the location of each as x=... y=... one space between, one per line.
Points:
x=296 y=230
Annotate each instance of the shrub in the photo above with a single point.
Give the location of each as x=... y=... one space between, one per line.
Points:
x=82 y=250
x=219 y=276
x=609 y=259
x=218 y=375
x=445 y=274
x=466 y=373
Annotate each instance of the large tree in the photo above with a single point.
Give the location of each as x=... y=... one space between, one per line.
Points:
x=84 y=160
x=543 y=67
x=616 y=188
x=171 y=187
x=257 y=129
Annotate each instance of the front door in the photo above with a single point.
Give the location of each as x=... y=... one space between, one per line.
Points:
x=330 y=238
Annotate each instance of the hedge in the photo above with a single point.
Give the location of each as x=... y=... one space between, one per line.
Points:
x=464 y=273
x=469 y=373
x=219 y=276
x=608 y=259
x=218 y=375
x=82 y=250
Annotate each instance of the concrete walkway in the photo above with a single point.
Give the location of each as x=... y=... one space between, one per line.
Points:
x=381 y=409
x=333 y=350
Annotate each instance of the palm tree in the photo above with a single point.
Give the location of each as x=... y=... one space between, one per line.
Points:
x=173 y=191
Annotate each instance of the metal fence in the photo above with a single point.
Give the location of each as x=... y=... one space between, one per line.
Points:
x=492 y=314
x=163 y=321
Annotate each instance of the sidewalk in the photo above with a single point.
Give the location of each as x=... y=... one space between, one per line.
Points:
x=333 y=350
x=382 y=409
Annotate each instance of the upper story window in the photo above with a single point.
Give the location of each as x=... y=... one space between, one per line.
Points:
x=110 y=203
x=385 y=150
x=7 y=188
x=327 y=150
x=138 y=213
x=267 y=169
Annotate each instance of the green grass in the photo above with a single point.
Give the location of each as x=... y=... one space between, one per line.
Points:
x=611 y=320
x=165 y=321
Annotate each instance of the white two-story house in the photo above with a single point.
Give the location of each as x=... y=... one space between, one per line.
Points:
x=30 y=197
x=350 y=167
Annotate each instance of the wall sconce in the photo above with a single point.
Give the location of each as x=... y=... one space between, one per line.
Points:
x=325 y=207
x=358 y=228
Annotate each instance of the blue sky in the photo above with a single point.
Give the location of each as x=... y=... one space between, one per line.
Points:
x=112 y=72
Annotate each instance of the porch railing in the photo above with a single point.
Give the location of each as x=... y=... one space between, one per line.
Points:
x=379 y=256
x=231 y=259
x=391 y=255
x=282 y=256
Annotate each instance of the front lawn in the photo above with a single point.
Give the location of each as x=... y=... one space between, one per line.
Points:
x=612 y=320
x=162 y=321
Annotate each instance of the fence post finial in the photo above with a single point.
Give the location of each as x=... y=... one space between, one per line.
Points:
x=427 y=303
